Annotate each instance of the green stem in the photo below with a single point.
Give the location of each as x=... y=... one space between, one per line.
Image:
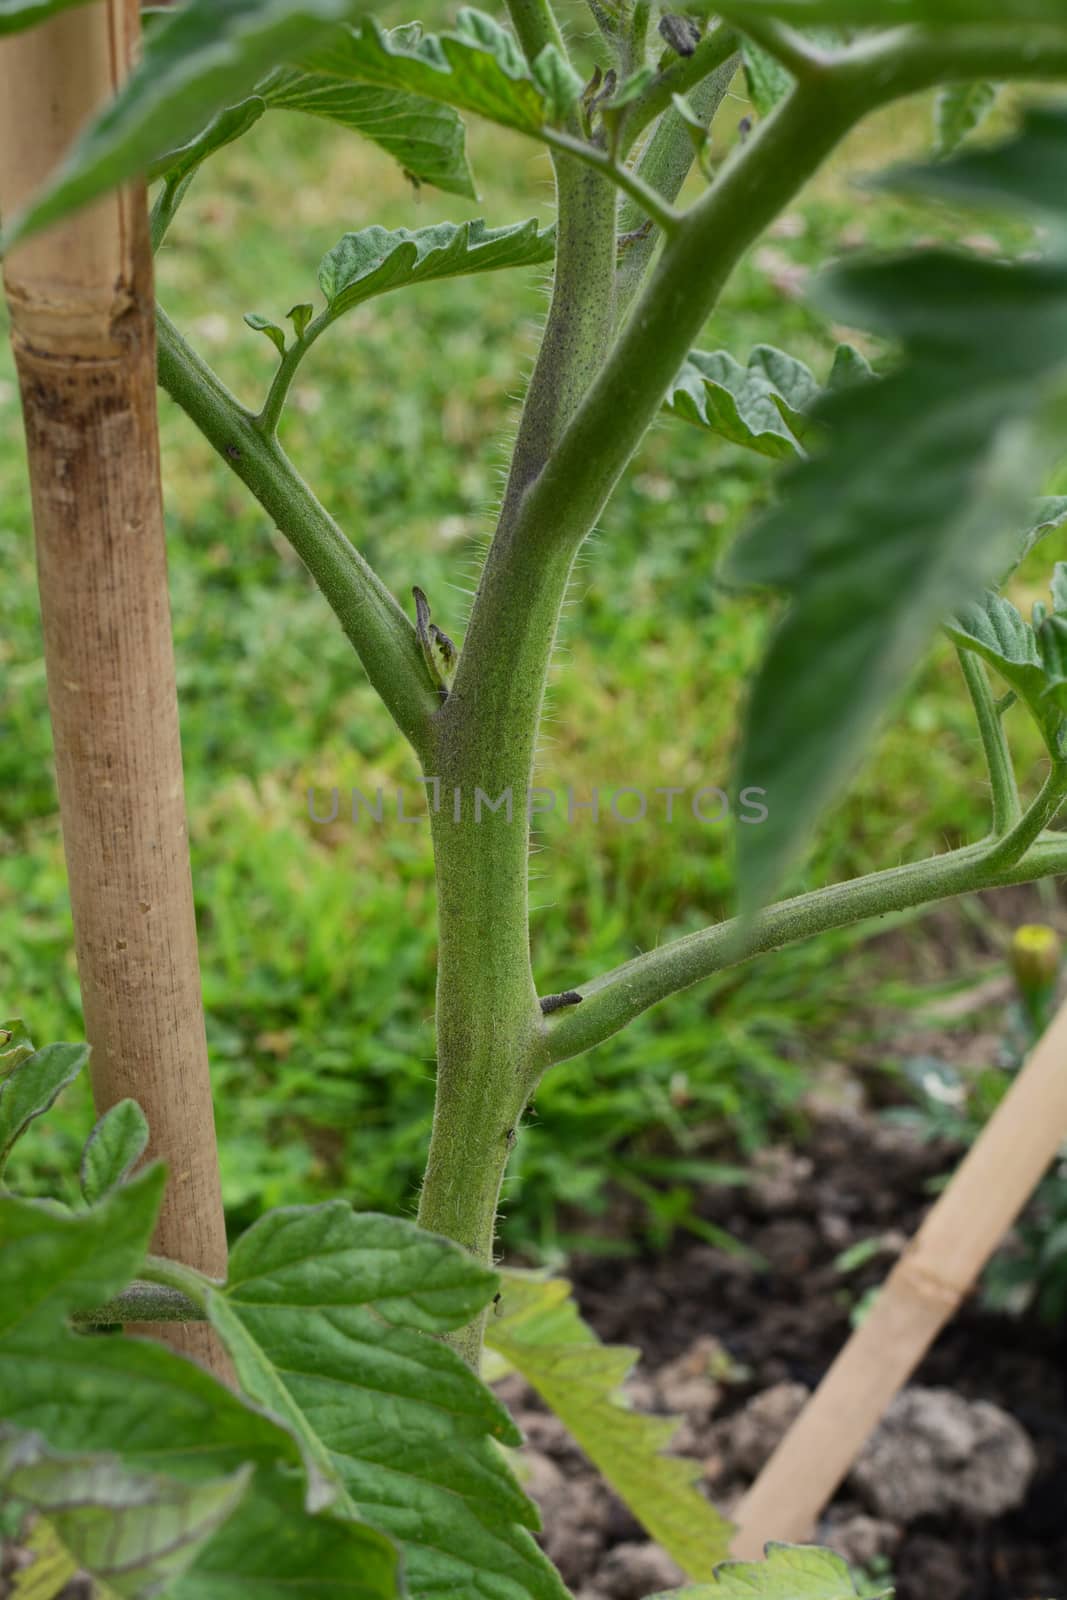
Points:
x=614 y=999
x=664 y=166
x=579 y=323
x=535 y=26
x=383 y=635
x=778 y=39
x=1015 y=843
x=271 y=413
x=650 y=202
x=488 y=1017
x=1007 y=809
x=681 y=76
x=916 y=58
x=183 y=1280
x=752 y=188
x=142 y=1302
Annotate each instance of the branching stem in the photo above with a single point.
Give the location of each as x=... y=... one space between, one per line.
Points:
x=382 y=633
x=631 y=183
x=617 y=997
x=778 y=39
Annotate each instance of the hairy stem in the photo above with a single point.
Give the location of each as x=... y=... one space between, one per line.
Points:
x=1015 y=843
x=664 y=166
x=383 y=635
x=614 y=999
x=759 y=179
x=1007 y=809
x=680 y=76
x=579 y=323
x=142 y=1302
x=643 y=195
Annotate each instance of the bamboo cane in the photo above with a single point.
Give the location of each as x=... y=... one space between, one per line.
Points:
x=921 y=1294
x=82 y=327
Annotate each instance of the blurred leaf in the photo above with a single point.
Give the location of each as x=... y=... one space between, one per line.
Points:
x=196 y=63
x=789 y=1572
x=1051 y=512
x=16 y=14
x=15 y=1044
x=958 y=109
x=133 y=1532
x=901 y=517
x=477 y=66
x=880 y=13
x=157 y=1413
x=768 y=81
x=33 y=1087
x=1020 y=173
x=224 y=128
x=273 y=1548
x=537 y=1329
x=51 y=1570
x=326 y=1311
x=113 y=1149
x=375 y=260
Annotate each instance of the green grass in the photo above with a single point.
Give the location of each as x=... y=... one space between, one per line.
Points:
x=318 y=942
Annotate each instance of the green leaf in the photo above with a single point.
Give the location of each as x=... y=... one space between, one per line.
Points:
x=765 y=406
x=958 y=109
x=375 y=260
x=15 y=1044
x=160 y=1414
x=113 y=1149
x=768 y=81
x=53 y=1264
x=476 y=67
x=717 y=393
x=628 y=90
x=133 y=1532
x=1059 y=588
x=198 y=62
x=33 y=1087
x=272 y=1549
x=789 y=1572
x=887 y=13
x=992 y=628
x=265 y=326
x=560 y=85
x=1051 y=513
x=324 y=1313
x=232 y=123
x=425 y=137
x=901 y=518
x=51 y=1569
x=537 y=1329
x=16 y=14
x=300 y=315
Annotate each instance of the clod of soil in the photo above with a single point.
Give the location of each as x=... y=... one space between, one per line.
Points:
x=960 y=1492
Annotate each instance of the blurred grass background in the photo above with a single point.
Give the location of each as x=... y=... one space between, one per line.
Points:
x=318 y=942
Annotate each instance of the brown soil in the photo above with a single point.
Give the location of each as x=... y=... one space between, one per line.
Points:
x=719 y=1331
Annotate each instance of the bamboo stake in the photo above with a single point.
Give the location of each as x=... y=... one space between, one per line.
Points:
x=921 y=1294
x=82 y=326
